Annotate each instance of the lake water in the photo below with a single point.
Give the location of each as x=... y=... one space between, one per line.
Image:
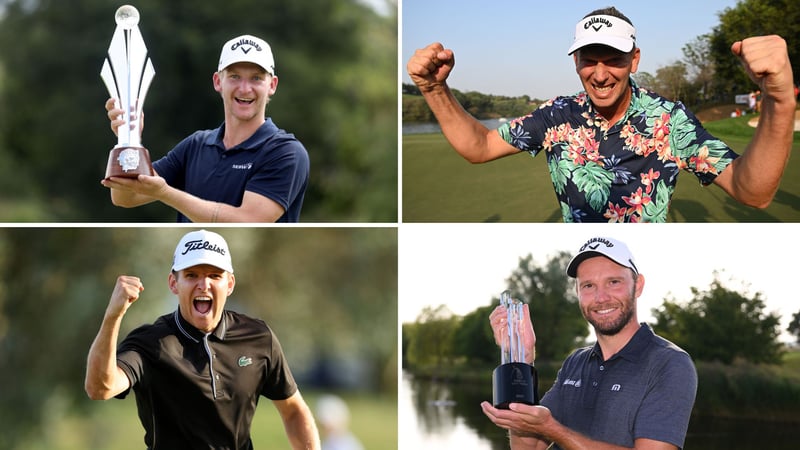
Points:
x=418 y=128
x=442 y=416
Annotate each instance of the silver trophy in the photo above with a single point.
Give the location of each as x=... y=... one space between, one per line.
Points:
x=127 y=73
x=514 y=380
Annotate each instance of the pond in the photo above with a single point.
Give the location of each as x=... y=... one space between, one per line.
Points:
x=448 y=417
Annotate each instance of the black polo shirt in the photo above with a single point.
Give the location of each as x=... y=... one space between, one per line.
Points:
x=196 y=390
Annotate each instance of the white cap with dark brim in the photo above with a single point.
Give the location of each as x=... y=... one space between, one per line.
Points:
x=202 y=247
x=611 y=248
x=604 y=30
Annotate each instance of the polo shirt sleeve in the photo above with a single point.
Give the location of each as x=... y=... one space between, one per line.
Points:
x=665 y=410
x=130 y=358
x=699 y=151
x=530 y=133
x=279 y=384
x=282 y=176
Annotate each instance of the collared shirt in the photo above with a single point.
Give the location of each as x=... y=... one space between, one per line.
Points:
x=623 y=172
x=646 y=390
x=271 y=163
x=197 y=390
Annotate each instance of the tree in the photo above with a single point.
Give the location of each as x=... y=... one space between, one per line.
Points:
x=794 y=326
x=751 y=18
x=556 y=316
x=721 y=325
x=473 y=338
x=700 y=66
x=431 y=340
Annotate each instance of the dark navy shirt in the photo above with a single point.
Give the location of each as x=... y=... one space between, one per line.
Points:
x=197 y=390
x=646 y=390
x=271 y=163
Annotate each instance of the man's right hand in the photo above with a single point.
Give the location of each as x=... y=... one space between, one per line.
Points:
x=126 y=291
x=115 y=116
x=430 y=66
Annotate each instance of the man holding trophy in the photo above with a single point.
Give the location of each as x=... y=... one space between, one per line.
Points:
x=247 y=170
x=631 y=389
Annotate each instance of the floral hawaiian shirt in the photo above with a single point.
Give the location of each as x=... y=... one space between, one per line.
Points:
x=621 y=173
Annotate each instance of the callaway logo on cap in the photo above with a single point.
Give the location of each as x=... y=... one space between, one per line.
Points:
x=202 y=247
x=247 y=48
x=604 y=30
x=611 y=248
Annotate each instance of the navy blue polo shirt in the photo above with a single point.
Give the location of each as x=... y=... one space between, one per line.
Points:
x=197 y=390
x=272 y=163
x=646 y=390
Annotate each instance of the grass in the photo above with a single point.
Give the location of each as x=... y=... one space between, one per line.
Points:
x=114 y=424
x=440 y=186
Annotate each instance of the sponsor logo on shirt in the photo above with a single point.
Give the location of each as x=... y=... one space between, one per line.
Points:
x=245 y=361
x=246 y=166
x=568 y=382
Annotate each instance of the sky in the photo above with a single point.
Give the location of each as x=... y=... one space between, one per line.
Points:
x=516 y=48
x=463 y=266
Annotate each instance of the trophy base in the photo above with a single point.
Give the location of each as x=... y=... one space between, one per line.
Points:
x=515 y=383
x=128 y=162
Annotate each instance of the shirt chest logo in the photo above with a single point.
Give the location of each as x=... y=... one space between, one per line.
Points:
x=245 y=166
x=245 y=361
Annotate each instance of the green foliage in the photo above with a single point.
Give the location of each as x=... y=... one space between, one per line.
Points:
x=337 y=95
x=763 y=392
x=721 y=325
x=430 y=338
x=794 y=326
x=481 y=106
x=329 y=294
x=751 y=18
x=473 y=339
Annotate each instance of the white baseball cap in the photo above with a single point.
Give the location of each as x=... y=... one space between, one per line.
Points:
x=605 y=30
x=611 y=248
x=202 y=247
x=247 y=48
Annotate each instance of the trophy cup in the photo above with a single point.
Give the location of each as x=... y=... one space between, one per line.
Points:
x=127 y=73
x=514 y=380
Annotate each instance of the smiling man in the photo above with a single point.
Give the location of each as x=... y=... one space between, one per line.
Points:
x=198 y=372
x=247 y=170
x=614 y=150
x=631 y=389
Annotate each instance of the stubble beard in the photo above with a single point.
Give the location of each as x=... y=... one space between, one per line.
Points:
x=615 y=326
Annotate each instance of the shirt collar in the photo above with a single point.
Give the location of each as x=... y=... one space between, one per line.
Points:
x=195 y=335
x=264 y=132
x=633 y=350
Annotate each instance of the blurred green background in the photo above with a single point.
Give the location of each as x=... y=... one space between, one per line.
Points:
x=337 y=65
x=330 y=295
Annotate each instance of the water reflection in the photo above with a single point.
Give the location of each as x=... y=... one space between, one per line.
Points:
x=436 y=415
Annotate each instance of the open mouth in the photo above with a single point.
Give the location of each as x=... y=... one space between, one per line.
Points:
x=202 y=304
x=244 y=101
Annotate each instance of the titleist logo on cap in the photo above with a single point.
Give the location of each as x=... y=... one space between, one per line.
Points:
x=202 y=245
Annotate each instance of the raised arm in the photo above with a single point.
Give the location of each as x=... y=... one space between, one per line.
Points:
x=104 y=379
x=429 y=68
x=754 y=178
